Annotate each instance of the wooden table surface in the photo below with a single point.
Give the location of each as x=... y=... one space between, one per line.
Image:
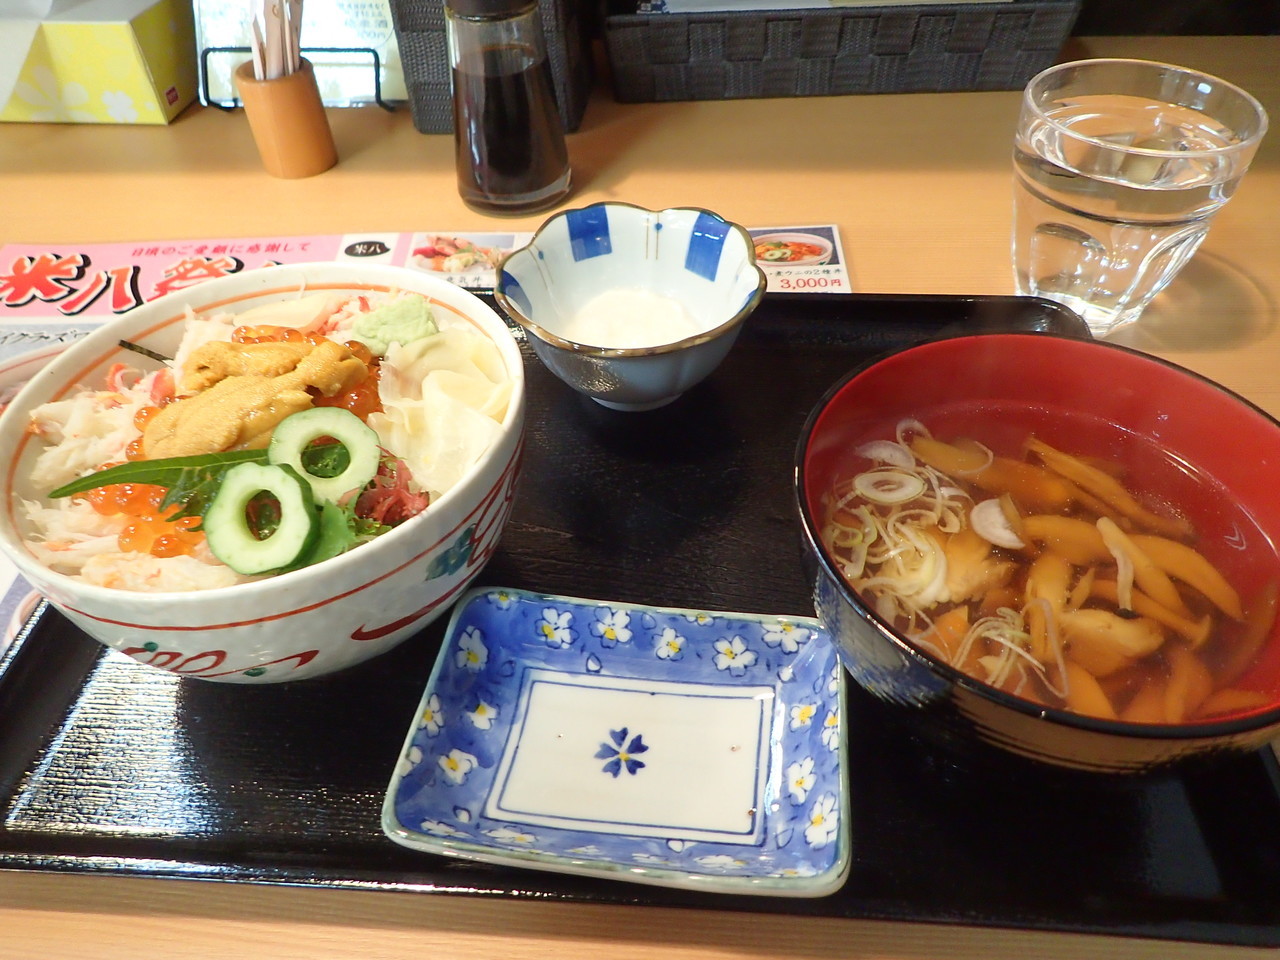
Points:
x=920 y=187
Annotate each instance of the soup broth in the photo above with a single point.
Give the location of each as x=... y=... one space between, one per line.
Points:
x=1059 y=559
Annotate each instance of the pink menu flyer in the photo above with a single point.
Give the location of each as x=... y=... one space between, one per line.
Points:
x=51 y=294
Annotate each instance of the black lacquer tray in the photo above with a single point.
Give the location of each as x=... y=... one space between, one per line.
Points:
x=107 y=767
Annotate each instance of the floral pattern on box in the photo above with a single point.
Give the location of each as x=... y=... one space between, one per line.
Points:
x=685 y=748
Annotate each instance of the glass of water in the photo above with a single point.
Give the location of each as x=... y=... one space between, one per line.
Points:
x=1119 y=167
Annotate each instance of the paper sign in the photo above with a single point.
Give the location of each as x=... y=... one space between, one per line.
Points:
x=56 y=293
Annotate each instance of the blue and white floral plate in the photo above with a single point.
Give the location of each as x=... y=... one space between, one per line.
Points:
x=683 y=748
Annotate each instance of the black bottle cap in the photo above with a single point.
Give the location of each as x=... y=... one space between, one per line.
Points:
x=488 y=9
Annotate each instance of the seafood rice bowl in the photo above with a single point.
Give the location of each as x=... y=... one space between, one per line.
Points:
x=269 y=476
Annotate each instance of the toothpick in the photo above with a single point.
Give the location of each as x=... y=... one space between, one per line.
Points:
x=293 y=17
x=277 y=42
x=259 y=61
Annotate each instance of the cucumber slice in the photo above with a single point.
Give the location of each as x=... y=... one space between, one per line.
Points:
x=228 y=534
x=297 y=431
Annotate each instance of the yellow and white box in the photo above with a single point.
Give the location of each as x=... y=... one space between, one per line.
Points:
x=96 y=61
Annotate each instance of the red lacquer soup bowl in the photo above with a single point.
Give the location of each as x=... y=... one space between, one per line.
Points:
x=1184 y=447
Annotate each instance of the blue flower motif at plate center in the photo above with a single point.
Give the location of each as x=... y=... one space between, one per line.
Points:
x=620 y=754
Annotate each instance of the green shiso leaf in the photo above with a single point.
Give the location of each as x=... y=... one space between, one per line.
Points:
x=167 y=472
x=192 y=482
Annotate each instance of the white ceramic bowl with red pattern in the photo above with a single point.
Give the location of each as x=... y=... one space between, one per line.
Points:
x=310 y=621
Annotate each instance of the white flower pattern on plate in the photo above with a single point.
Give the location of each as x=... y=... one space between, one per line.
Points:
x=611 y=626
x=410 y=760
x=437 y=826
x=721 y=860
x=500 y=599
x=483 y=715
x=831 y=730
x=802 y=715
x=432 y=716
x=802 y=870
x=670 y=645
x=472 y=652
x=554 y=627
x=733 y=655
x=512 y=836
x=824 y=822
x=787 y=636
x=457 y=764
x=800 y=779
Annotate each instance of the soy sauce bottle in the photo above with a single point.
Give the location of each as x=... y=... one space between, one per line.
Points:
x=508 y=134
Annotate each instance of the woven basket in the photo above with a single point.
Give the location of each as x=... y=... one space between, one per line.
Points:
x=820 y=52
x=419 y=26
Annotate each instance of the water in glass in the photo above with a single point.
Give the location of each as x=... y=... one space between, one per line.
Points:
x=1114 y=193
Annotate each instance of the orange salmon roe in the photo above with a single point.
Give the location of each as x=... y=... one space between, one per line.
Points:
x=362 y=399
x=268 y=333
x=140 y=420
x=148 y=531
x=143 y=416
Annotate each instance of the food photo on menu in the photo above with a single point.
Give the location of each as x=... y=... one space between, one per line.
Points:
x=776 y=249
x=454 y=254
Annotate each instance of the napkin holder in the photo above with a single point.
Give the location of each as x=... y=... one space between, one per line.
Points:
x=288 y=121
x=854 y=47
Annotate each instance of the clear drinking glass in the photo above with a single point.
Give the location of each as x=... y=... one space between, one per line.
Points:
x=1119 y=167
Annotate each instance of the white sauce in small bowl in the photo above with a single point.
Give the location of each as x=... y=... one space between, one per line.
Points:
x=629 y=317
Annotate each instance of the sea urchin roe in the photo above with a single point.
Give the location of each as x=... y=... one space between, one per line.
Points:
x=361 y=397
x=239 y=410
x=1105 y=606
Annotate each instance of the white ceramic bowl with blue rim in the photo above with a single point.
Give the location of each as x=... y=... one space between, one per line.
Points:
x=694 y=257
x=312 y=621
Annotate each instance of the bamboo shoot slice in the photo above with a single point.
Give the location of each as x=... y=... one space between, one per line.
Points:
x=1153 y=581
x=1184 y=563
x=1108 y=489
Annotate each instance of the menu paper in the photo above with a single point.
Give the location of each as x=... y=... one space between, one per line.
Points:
x=351 y=43
x=53 y=294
